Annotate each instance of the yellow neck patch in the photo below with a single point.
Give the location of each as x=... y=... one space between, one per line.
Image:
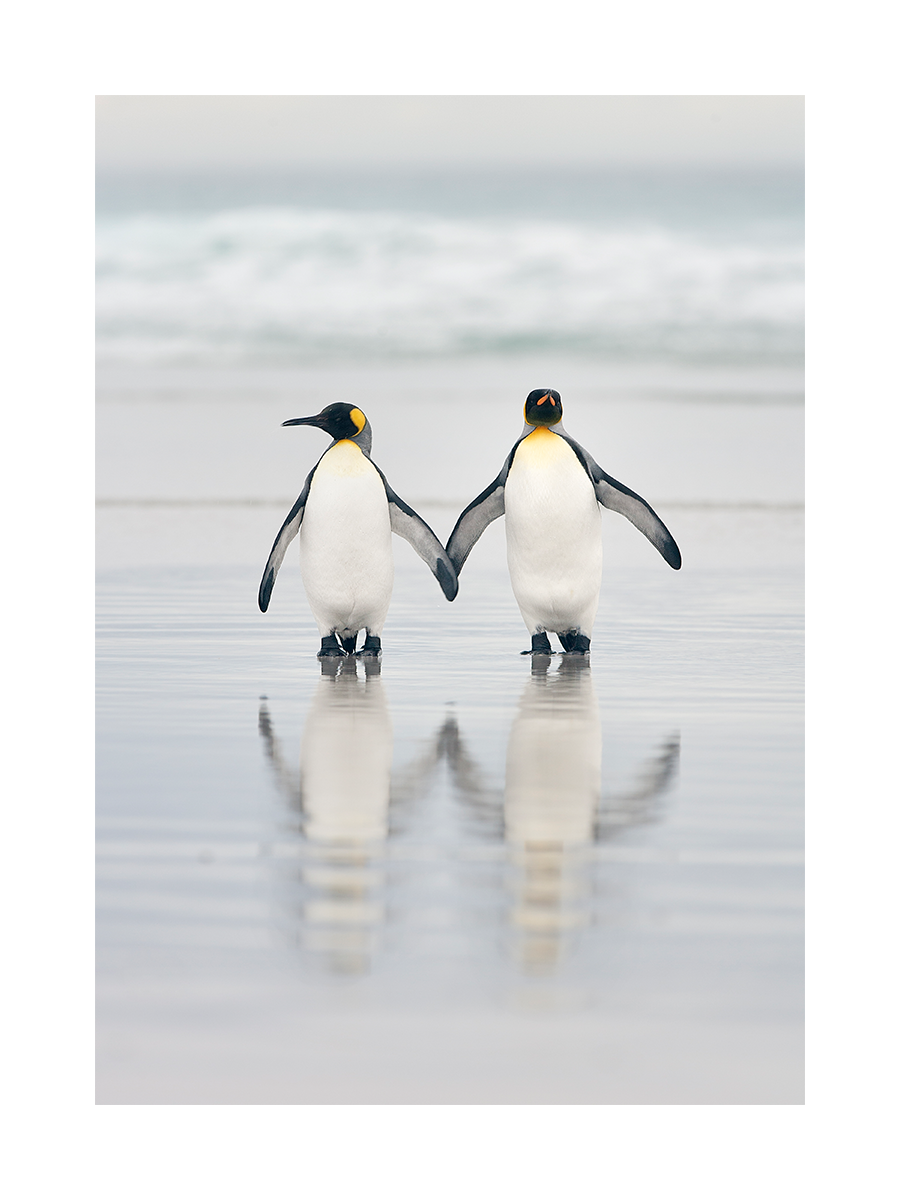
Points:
x=542 y=448
x=358 y=417
x=344 y=458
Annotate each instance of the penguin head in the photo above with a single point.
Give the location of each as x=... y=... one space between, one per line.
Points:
x=543 y=407
x=340 y=420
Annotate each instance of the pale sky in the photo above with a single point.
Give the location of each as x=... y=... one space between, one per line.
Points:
x=159 y=133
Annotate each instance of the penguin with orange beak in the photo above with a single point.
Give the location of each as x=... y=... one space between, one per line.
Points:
x=550 y=491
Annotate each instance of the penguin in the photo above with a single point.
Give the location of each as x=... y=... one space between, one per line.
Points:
x=344 y=516
x=549 y=490
x=343 y=802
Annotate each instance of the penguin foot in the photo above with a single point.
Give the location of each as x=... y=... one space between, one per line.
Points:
x=540 y=644
x=330 y=648
x=349 y=643
x=574 y=642
x=372 y=647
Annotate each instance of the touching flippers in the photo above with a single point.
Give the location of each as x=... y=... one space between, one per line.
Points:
x=407 y=523
x=475 y=518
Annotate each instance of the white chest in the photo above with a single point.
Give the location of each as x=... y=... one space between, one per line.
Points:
x=345 y=543
x=548 y=493
x=553 y=535
x=347 y=505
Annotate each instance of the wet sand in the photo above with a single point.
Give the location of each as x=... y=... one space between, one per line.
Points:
x=464 y=877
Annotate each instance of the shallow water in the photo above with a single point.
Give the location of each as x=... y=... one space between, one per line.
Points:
x=465 y=876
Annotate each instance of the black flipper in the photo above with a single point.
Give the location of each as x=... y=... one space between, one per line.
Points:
x=622 y=499
x=407 y=523
x=286 y=535
x=474 y=519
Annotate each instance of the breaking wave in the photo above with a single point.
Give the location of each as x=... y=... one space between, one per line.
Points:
x=279 y=284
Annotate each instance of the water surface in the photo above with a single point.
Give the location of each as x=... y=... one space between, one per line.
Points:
x=465 y=876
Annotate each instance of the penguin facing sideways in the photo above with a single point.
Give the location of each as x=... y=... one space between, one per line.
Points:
x=345 y=516
x=549 y=490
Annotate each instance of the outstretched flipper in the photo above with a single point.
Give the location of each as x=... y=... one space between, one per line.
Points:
x=622 y=499
x=474 y=519
x=407 y=523
x=286 y=535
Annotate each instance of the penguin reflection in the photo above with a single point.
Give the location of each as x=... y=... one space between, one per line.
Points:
x=342 y=793
x=551 y=804
x=345 y=795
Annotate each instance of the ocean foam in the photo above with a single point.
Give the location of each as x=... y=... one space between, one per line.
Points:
x=281 y=285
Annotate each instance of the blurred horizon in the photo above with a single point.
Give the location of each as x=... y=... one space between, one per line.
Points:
x=754 y=192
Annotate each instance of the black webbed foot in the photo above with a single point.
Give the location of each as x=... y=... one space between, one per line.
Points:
x=574 y=642
x=330 y=648
x=540 y=644
x=372 y=647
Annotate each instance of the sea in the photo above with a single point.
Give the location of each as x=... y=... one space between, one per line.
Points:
x=457 y=875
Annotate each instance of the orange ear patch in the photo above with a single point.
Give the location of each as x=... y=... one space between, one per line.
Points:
x=358 y=417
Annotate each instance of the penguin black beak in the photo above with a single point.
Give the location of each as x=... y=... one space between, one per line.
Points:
x=305 y=421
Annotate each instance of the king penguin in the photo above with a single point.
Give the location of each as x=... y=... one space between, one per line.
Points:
x=549 y=490
x=344 y=516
